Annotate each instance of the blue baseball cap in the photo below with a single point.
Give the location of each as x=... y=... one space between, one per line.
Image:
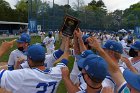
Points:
x=84 y=54
x=114 y=46
x=84 y=37
x=132 y=79
x=94 y=65
x=138 y=36
x=24 y=38
x=130 y=38
x=50 y=33
x=36 y=53
x=136 y=45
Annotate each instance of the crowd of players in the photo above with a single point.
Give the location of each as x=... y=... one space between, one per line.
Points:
x=104 y=63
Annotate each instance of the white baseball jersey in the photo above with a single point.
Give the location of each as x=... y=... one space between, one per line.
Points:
x=49 y=42
x=108 y=82
x=74 y=73
x=13 y=58
x=136 y=64
x=32 y=80
x=126 y=51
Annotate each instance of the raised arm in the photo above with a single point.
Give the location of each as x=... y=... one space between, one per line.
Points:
x=80 y=40
x=128 y=64
x=62 y=46
x=65 y=48
x=71 y=88
x=76 y=44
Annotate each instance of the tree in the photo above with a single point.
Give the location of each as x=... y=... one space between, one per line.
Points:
x=131 y=16
x=5 y=10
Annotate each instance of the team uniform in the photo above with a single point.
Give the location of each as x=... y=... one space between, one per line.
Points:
x=32 y=80
x=75 y=71
x=49 y=59
x=13 y=58
x=126 y=51
x=42 y=34
x=19 y=53
x=107 y=82
x=136 y=64
x=49 y=42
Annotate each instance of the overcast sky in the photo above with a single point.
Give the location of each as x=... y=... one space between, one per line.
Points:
x=111 y=4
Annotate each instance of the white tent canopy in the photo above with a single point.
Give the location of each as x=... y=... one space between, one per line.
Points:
x=122 y=30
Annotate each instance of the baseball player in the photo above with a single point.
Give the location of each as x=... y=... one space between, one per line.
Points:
x=112 y=66
x=51 y=58
x=135 y=61
x=94 y=71
x=49 y=42
x=108 y=79
x=20 y=53
x=75 y=71
x=36 y=79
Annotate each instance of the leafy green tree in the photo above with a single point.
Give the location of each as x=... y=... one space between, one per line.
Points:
x=5 y=10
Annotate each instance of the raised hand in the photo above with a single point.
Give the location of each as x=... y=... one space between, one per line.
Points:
x=5 y=46
x=65 y=72
x=93 y=42
x=78 y=33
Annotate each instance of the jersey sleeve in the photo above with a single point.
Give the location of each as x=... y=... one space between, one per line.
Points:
x=11 y=80
x=11 y=61
x=83 y=85
x=108 y=82
x=56 y=71
x=123 y=88
x=45 y=40
x=137 y=66
x=50 y=59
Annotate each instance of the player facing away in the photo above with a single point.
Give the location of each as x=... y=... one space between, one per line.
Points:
x=49 y=42
x=36 y=79
x=20 y=53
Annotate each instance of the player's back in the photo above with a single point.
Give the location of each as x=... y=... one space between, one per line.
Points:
x=31 y=80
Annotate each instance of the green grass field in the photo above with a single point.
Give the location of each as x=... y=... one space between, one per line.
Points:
x=37 y=39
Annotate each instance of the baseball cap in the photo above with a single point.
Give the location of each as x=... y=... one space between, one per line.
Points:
x=130 y=38
x=114 y=46
x=94 y=65
x=36 y=52
x=136 y=45
x=24 y=38
x=84 y=37
x=84 y=54
x=132 y=79
x=50 y=33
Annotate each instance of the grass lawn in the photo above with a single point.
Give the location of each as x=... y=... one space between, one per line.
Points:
x=37 y=39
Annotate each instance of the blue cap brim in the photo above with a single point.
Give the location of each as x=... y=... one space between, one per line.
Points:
x=19 y=41
x=103 y=47
x=132 y=79
x=81 y=61
x=134 y=47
